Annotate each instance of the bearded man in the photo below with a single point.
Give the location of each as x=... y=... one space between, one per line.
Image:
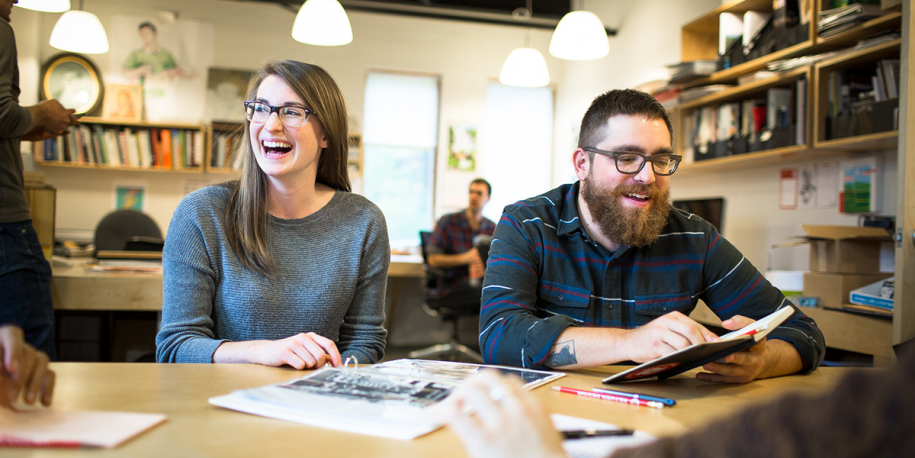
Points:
x=604 y=270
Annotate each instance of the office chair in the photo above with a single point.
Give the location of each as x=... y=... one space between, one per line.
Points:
x=449 y=312
x=128 y=230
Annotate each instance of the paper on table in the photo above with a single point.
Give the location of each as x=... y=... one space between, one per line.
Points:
x=57 y=428
x=596 y=447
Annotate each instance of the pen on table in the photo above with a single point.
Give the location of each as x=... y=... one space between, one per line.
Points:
x=587 y=433
x=665 y=401
x=609 y=397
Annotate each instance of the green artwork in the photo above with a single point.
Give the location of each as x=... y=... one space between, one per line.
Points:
x=462 y=148
x=129 y=197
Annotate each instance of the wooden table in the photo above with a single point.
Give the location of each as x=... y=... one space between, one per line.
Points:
x=75 y=288
x=196 y=428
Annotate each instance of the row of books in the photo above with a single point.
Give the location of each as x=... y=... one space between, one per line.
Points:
x=755 y=120
x=227 y=150
x=118 y=146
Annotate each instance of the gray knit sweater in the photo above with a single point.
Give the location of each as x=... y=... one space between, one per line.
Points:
x=332 y=269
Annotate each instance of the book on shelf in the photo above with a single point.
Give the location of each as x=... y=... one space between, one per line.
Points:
x=800 y=111
x=702 y=353
x=389 y=399
x=778 y=107
x=753 y=24
x=889 y=68
x=165 y=142
x=730 y=31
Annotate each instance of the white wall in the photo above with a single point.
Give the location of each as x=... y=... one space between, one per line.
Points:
x=467 y=56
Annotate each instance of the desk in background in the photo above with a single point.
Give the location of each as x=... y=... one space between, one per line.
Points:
x=75 y=288
x=196 y=428
x=88 y=305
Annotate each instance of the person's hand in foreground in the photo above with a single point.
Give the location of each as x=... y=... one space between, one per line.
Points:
x=740 y=367
x=301 y=351
x=507 y=421
x=25 y=370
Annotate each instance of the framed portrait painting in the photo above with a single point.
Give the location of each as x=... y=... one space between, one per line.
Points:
x=74 y=81
x=123 y=102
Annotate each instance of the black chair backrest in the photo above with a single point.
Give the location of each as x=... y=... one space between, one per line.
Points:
x=119 y=226
x=424 y=238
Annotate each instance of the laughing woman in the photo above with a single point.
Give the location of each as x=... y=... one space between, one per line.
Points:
x=284 y=266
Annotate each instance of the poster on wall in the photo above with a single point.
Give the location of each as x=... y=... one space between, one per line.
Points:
x=130 y=197
x=168 y=58
x=462 y=148
x=226 y=94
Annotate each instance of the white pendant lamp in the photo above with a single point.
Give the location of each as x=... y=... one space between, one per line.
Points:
x=580 y=35
x=525 y=67
x=322 y=23
x=79 y=31
x=46 y=6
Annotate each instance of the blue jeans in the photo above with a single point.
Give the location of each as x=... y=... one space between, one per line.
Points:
x=25 y=285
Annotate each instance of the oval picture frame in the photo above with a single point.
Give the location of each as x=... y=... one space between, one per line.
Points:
x=74 y=81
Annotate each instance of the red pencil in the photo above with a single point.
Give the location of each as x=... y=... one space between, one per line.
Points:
x=609 y=397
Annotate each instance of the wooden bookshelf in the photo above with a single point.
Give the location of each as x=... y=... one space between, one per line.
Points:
x=699 y=39
x=100 y=143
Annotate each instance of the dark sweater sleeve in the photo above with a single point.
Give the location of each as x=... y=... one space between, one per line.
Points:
x=868 y=414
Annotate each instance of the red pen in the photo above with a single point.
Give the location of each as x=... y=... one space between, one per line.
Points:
x=609 y=397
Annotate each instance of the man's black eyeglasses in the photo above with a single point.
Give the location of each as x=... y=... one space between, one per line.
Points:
x=631 y=163
x=291 y=116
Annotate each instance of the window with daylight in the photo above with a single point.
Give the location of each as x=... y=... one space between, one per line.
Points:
x=400 y=130
x=517 y=135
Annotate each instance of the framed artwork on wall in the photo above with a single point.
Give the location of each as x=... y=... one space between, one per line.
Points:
x=74 y=81
x=123 y=102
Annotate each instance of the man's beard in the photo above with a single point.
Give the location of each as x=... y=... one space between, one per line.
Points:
x=626 y=225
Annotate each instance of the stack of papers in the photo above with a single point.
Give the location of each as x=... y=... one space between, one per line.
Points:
x=55 y=428
x=685 y=71
x=839 y=19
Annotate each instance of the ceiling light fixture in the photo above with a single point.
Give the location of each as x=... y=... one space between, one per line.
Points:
x=322 y=23
x=525 y=66
x=580 y=35
x=46 y=6
x=79 y=31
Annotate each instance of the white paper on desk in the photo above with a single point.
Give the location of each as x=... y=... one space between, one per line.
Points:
x=58 y=428
x=596 y=447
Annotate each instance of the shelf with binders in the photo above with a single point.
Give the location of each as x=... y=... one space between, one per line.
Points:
x=857 y=99
x=760 y=122
x=223 y=146
x=124 y=145
x=699 y=39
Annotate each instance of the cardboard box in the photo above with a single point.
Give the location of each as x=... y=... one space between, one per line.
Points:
x=877 y=294
x=845 y=249
x=832 y=290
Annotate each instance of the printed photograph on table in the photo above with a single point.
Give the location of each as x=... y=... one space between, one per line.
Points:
x=74 y=81
x=123 y=102
x=462 y=148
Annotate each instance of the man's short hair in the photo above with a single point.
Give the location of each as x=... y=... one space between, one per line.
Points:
x=488 y=186
x=147 y=24
x=618 y=102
